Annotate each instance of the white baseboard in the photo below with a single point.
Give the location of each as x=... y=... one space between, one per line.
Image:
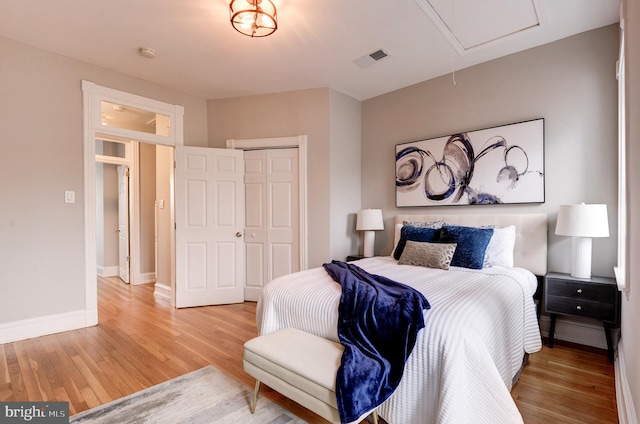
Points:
x=588 y=334
x=163 y=291
x=146 y=278
x=252 y=294
x=107 y=271
x=42 y=326
x=626 y=409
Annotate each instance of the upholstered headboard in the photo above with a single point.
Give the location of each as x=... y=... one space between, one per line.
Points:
x=530 y=251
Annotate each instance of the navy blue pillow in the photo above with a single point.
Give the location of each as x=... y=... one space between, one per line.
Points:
x=471 y=244
x=414 y=234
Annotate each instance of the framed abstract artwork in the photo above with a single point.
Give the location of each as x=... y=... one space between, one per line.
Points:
x=498 y=165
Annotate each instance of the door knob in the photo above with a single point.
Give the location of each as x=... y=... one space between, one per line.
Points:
x=238 y=234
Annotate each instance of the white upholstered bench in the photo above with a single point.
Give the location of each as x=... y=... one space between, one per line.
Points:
x=300 y=366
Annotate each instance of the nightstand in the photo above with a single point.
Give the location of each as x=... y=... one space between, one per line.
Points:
x=354 y=258
x=595 y=298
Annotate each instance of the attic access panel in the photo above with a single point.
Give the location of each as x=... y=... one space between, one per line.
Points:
x=471 y=24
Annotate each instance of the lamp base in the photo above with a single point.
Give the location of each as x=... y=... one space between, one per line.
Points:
x=369 y=242
x=581 y=257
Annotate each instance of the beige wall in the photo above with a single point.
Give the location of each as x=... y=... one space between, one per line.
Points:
x=345 y=130
x=630 y=325
x=571 y=83
x=147 y=192
x=164 y=164
x=41 y=237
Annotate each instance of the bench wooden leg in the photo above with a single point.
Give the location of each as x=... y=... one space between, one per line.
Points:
x=254 y=401
x=374 y=414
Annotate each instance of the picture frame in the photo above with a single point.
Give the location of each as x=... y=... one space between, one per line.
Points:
x=497 y=165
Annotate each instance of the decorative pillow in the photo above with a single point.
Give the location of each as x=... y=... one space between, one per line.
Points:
x=432 y=255
x=472 y=244
x=436 y=225
x=500 y=248
x=414 y=234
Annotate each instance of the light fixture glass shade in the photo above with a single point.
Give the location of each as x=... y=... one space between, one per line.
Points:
x=255 y=18
x=582 y=221
x=369 y=219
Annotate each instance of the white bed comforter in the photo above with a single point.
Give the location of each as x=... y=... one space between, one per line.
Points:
x=461 y=369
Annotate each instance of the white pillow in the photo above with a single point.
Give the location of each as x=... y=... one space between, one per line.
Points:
x=500 y=248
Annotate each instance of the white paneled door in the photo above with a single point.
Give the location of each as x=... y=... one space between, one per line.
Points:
x=271 y=217
x=209 y=223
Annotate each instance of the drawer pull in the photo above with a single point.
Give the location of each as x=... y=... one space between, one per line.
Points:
x=579 y=307
x=579 y=291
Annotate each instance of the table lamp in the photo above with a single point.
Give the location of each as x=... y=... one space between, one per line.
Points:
x=369 y=220
x=582 y=222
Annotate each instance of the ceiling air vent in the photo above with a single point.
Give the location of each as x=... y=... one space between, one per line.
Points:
x=370 y=58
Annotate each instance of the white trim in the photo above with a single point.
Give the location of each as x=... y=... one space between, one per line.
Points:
x=90 y=276
x=620 y=269
x=176 y=136
x=42 y=326
x=587 y=334
x=134 y=214
x=626 y=409
x=92 y=95
x=163 y=291
x=107 y=271
x=299 y=142
x=145 y=278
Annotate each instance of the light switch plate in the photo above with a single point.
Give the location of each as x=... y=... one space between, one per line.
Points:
x=69 y=196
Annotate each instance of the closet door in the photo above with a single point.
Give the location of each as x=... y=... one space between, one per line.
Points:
x=271 y=217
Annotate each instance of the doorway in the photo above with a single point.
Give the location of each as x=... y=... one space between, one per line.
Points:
x=163 y=125
x=134 y=203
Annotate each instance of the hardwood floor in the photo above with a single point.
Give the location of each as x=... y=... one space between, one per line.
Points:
x=141 y=341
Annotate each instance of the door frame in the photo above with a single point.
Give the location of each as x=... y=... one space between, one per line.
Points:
x=130 y=147
x=297 y=142
x=92 y=96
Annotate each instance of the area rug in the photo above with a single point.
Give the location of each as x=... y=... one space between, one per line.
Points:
x=204 y=396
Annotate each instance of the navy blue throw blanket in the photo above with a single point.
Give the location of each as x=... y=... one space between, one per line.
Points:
x=378 y=322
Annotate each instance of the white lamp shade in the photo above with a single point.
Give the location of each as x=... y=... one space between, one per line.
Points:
x=582 y=221
x=369 y=219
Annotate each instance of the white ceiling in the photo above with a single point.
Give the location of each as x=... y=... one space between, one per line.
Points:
x=198 y=52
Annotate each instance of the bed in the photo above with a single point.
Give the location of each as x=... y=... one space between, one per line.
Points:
x=481 y=324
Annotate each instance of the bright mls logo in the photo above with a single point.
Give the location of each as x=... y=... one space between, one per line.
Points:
x=34 y=412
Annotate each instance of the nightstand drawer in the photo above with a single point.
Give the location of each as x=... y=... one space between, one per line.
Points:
x=584 y=291
x=580 y=307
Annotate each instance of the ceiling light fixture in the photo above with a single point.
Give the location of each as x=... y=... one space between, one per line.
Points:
x=254 y=18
